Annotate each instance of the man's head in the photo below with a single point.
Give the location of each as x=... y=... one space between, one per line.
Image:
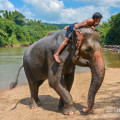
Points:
x=97 y=17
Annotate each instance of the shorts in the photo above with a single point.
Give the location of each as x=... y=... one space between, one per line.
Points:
x=69 y=31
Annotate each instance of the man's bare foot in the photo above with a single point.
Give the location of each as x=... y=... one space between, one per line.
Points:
x=57 y=58
x=76 y=52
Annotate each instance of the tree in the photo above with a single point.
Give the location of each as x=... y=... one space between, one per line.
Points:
x=113 y=35
x=16 y=29
x=111 y=30
x=18 y=18
x=6 y=14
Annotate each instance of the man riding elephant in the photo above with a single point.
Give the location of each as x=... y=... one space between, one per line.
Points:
x=91 y=22
x=39 y=64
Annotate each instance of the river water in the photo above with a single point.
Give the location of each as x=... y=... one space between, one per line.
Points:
x=11 y=60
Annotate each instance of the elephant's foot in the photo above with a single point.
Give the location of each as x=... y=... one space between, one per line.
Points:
x=61 y=105
x=69 y=110
x=38 y=101
x=85 y=110
x=33 y=103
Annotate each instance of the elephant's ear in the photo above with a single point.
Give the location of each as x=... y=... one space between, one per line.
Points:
x=87 y=32
x=78 y=32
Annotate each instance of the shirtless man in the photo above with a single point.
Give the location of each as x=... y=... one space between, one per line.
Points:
x=91 y=22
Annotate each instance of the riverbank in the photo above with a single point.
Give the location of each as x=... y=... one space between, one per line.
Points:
x=14 y=46
x=107 y=102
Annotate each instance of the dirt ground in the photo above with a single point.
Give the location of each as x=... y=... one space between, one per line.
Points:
x=107 y=102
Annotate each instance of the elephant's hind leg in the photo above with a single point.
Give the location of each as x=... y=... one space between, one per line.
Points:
x=34 y=87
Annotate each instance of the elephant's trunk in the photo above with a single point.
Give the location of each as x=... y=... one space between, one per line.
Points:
x=98 y=71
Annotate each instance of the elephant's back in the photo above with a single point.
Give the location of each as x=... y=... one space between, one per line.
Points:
x=36 y=55
x=54 y=39
x=49 y=43
x=49 y=39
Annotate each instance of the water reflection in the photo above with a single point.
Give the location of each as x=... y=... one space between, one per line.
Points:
x=10 y=61
x=112 y=59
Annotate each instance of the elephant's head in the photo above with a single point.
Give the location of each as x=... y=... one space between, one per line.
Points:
x=91 y=55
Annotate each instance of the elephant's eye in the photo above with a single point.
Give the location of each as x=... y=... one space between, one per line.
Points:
x=89 y=50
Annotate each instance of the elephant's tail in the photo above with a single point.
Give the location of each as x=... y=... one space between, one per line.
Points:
x=13 y=84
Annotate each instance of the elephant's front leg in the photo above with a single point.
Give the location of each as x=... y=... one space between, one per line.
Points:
x=56 y=84
x=67 y=82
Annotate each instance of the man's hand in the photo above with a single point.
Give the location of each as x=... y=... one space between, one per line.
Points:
x=93 y=28
x=96 y=29
x=66 y=27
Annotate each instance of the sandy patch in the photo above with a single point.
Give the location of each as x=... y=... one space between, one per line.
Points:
x=107 y=102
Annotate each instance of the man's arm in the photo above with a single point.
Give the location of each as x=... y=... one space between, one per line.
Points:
x=66 y=27
x=93 y=27
x=85 y=23
x=96 y=29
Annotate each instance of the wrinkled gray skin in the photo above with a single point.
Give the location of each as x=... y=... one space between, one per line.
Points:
x=39 y=65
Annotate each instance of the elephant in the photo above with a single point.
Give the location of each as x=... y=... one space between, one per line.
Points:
x=39 y=65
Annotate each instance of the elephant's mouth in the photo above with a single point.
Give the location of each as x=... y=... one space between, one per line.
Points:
x=81 y=61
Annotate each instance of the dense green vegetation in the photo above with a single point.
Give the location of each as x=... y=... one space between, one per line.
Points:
x=111 y=31
x=16 y=29
x=60 y=26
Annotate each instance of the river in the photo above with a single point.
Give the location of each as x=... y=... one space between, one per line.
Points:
x=11 y=60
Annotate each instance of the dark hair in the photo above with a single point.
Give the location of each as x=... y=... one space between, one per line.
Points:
x=97 y=15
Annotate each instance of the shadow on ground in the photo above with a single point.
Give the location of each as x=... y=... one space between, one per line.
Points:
x=47 y=102
x=108 y=98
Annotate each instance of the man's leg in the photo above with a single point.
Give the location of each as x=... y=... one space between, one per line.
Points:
x=64 y=43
